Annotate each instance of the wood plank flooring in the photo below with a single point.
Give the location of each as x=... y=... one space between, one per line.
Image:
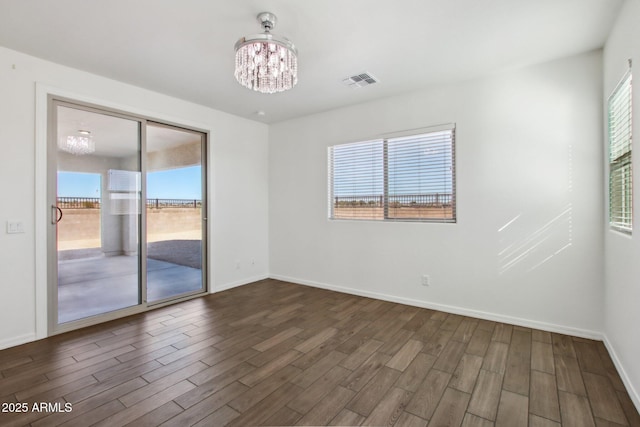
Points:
x=276 y=353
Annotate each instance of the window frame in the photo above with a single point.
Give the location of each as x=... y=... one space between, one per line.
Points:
x=620 y=157
x=386 y=198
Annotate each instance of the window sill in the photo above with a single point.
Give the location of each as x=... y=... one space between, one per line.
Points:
x=621 y=230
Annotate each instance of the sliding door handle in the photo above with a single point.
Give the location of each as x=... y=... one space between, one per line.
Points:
x=54 y=214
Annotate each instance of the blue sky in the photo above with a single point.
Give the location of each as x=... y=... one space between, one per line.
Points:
x=182 y=183
x=75 y=184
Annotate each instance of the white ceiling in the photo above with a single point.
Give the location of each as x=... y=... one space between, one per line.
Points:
x=185 y=48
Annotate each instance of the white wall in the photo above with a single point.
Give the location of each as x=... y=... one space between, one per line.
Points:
x=622 y=252
x=527 y=247
x=238 y=194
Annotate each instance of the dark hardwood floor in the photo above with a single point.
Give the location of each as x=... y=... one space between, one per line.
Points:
x=276 y=353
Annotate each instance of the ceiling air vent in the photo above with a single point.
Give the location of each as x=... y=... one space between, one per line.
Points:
x=360 y=80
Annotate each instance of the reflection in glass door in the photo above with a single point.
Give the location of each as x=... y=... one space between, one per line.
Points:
x=175 y=212
x=96 y=213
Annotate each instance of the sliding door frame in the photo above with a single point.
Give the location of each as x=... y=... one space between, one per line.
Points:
x=53 y=327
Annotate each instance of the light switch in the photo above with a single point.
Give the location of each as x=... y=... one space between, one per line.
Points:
x=15 y=227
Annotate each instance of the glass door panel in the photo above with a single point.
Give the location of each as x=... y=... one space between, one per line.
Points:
x=97 y=213
x=175 y=212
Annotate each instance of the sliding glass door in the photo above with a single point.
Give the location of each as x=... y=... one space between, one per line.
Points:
x=96 y=214
x=175 y=212
x=128 y=214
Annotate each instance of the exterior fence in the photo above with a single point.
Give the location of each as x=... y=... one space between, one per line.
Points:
x=94 y=203
x=373 y=201
x=173 y=203
x=78 y=202
x=395 y=201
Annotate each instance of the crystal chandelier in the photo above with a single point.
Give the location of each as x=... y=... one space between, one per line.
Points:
x=265 y=62
x=78 y=144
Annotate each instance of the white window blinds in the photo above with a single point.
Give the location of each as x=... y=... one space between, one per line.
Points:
x=620 y=168
x=408 y=178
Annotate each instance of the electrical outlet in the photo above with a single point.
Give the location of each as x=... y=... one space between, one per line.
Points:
x=237 y=264
x=425 y=280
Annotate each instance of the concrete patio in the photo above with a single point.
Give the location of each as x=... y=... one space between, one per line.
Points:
x=90 y=283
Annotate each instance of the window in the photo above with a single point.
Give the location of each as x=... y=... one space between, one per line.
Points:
x=620 y=170
x=405 y=178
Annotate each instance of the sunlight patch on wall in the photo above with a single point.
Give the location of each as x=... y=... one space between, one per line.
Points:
x=524 y=248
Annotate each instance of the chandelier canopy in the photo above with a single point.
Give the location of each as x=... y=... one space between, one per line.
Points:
x=265 y=62
x=78 y=144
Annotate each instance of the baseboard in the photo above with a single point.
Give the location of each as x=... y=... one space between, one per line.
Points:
x=19 y=340
x=528 y=323
x=231 y=285
x=633 y=393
